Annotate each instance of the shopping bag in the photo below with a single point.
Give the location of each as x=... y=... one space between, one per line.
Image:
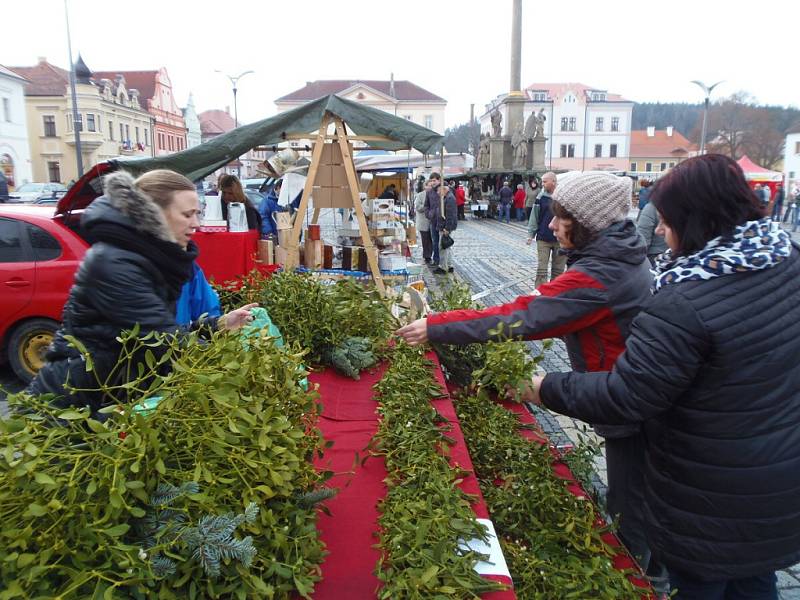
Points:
x=237 y=217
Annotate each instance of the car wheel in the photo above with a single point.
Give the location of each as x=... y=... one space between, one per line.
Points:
x=27 y=346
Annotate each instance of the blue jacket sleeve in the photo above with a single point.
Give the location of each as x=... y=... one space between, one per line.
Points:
x=197 y=298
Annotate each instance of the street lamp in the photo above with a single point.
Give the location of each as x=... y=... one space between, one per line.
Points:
x=707 y=90
x=234 y=81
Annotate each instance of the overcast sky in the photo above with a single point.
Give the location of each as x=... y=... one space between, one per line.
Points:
x=457 y=49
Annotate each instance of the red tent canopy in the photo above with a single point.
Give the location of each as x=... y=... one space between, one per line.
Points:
x=758 y=174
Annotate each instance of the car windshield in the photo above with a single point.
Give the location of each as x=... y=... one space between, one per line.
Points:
x=31 y=187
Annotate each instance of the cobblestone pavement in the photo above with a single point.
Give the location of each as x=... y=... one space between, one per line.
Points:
x=487 y=254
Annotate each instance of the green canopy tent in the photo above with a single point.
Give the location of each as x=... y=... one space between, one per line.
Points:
x=195 y=163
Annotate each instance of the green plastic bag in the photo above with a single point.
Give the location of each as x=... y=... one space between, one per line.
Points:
x=261 y=321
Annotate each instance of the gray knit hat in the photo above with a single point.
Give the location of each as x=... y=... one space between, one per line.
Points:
x=596 y=199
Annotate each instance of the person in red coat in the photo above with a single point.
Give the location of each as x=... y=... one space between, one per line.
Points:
x=461 y=199
x=519 y=202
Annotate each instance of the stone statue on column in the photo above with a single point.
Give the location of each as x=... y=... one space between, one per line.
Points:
x=519 y=143
x=483 y=152
x=497 y=123
x=538 y=131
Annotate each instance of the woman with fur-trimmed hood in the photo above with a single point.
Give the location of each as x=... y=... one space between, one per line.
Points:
x=140 y=257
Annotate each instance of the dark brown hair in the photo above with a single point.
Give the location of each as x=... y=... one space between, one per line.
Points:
x=703 y=198
x=579 y=235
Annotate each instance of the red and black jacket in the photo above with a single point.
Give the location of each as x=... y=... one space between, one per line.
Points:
x=591 y=306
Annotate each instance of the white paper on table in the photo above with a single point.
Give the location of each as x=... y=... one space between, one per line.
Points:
x=293 y=184
x=213 y=209
x=496 y=563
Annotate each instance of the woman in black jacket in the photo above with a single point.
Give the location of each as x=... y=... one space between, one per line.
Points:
x=230 y=189
x=141 y=255
x=710 y=370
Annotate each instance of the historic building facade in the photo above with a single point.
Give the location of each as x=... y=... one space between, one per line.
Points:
x=587 y=128
x=15 y=152
x=654 y=152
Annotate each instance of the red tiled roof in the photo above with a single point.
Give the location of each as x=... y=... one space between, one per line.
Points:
x=215 y=122
x=144 y=81
x=659 y=145
x=44 y=79
x=403 y=90
x=557 y=91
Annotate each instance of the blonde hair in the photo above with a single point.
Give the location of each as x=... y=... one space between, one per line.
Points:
x=232 y=182
x=161 y=184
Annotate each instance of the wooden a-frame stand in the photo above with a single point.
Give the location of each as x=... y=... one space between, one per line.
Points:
x=343 y=140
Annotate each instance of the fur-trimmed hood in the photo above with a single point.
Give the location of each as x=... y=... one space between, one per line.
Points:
x=124 y=204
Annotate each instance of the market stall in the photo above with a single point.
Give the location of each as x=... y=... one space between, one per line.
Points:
x=756 y=174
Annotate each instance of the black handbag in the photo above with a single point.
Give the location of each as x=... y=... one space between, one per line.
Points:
x=445 y=241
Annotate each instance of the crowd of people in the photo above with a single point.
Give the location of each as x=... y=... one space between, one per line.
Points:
x=683 y=360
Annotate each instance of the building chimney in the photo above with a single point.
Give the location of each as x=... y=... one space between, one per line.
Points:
x=42 y=59
x=669 y=131
x=651 y=131
x=228 y=109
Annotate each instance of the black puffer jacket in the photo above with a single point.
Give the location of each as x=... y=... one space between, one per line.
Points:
x=711 y=369
x=115 y=288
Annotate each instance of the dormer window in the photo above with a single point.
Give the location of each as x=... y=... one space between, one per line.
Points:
x=360 y=96
x=598 y=96
x=538 y=96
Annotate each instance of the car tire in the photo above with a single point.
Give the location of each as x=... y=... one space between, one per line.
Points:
x=27 y=345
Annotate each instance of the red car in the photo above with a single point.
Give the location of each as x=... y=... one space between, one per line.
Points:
x=39 y=254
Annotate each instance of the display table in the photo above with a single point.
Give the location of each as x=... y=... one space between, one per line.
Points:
x=224 y=256
x=349 y=420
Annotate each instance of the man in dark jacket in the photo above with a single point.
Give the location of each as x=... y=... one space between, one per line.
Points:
x=547 y=248
x=446 y=225
x=506 y=195
x=433 y=213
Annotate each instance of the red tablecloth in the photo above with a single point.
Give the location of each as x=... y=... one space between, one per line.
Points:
x=224 y=256
x=349 y=420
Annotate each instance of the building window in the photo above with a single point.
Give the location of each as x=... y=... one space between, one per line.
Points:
x=663 y=166
x=563 y=153
x=49 y=125
x=121 y=132
x=572 y=121
x=614 y=123
x=598 y=124
x=80 y=121
x=598 y=150
x=797 y=147
x=571 y=151
x=648 y=167
x=672 y=164
x=407 y=117
x=429 y=121
x=90 y=122
x=564 y=123
x=54 y=172
x=127 y=133
x=633 y=166
x=612 y=151
x=539 y=96
x=146 y=137
x=7 y=110
x=111 y=130
x=136 y=131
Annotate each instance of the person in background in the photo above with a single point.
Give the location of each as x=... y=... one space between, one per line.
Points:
x=531 y=194
x=422 y=222
x=141 y=256
x=476 y=196
x=777 y=207
x=389 y=193
x=446 y=225
x=547 y=246
x=721 y=431
x=461 y=200
x=231 y=191
x=3 y=188
x=519 y=202
x=591 y=306
x=646 y=224
x=432 y=209
x=506 y=198
x=644 y=193
x=269 y=206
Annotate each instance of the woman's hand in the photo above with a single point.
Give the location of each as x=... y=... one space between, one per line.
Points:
x=529 y=392
x=414 y=333
x=236 y=319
